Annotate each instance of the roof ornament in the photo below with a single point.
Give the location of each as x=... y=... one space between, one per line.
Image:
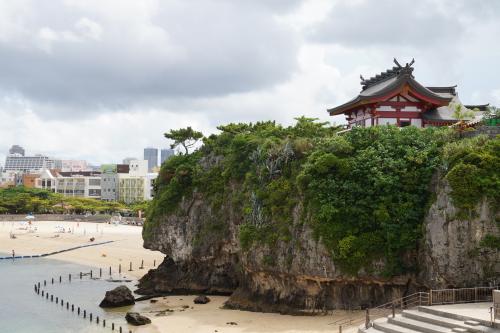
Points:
x=362 y=79
x=397 y=63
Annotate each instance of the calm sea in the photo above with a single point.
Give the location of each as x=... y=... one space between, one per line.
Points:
x=21 y=310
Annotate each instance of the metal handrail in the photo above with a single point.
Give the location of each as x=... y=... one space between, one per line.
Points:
x=433 y=297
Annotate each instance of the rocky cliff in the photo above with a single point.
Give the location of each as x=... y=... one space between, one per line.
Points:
x=452 y=254
x=295 y=265
x=202 y=257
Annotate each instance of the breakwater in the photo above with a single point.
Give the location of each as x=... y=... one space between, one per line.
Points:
x=52 y=253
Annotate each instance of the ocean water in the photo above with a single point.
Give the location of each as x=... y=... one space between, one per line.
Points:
x=22 y=310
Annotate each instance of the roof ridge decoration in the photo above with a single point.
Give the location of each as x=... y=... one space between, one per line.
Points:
x=390 y=73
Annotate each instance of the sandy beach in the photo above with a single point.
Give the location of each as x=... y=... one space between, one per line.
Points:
x=170 y=314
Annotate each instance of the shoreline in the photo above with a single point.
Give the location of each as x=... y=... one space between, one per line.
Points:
x=174 y=313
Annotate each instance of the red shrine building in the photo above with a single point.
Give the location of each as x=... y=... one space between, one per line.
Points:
x=394 y=97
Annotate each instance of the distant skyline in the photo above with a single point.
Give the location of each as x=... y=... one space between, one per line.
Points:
x=102 y=80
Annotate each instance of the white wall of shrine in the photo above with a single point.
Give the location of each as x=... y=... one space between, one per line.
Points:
x=416 y=122
x=386 y=108
x=387 y=121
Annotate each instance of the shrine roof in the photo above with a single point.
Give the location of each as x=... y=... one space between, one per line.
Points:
x=392 y=81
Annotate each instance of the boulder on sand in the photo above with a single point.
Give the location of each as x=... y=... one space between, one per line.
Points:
x=120 y=296
x=134 y=318
x=202 y=299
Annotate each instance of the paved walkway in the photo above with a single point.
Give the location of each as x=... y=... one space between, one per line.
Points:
x=479 y=311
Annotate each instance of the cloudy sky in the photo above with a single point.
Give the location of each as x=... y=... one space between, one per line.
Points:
x=102 y=79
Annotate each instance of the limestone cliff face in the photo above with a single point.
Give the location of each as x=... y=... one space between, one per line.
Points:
x=203 y=255
x=452 y=255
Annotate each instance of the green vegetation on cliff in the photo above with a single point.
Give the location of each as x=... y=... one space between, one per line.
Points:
x=363 y=193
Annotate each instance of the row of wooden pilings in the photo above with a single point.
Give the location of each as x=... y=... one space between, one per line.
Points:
x=38 y=287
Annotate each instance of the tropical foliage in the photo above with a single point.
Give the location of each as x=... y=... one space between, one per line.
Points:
x=364 y=193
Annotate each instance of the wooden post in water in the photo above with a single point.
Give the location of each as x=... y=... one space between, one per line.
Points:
x=72 y=307
x=84 y=313
x=52 y=280
x=367 y=319
x=120 y=329
x=43 y=293
x=109 y=270
x=78 y=311
x=393 y=310
x=90 y=316
x=112 y=326
x=67 y=305
x=60 y=279
x=38 y=285
x=57 y=300
x=130 y=269
x=142 y=264
x=44 y=283
x=97 y=319
x=340 y=328
x=100 y=272
x=69 y=277
x=52 y=298
x=47 y=295
x=154 y=263
x=104 y=323
x=91 y=274
x=80 y=275
x=119 y=268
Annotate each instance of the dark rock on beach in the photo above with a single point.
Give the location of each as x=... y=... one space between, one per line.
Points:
x=136 y=319
x=120 y=296
x=202 y=299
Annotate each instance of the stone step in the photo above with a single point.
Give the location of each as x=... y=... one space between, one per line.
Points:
x=369 y=330
x=418 y=325
x=434 y=319
x=386 y=327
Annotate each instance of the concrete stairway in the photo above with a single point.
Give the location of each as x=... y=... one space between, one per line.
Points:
x=428 y=320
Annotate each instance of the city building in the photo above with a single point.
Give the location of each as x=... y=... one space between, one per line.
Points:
x=109 y=180
x=394 y=97
x=138 y=168
x=165 y=154
x=29 y=179
x=8 y=178
x=28 y=163
x=127 y=160
x=149 y=186
x=74 y=166
x=15 y=149
x=151 y=155
x=47 y=180
x=79 y=184
x=130 y=188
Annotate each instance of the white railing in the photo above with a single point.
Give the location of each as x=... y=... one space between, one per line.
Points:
x=462 y=295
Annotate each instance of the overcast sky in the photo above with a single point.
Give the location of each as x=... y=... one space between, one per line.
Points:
x=102 y=79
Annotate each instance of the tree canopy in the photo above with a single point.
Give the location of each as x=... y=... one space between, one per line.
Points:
x=185 y=137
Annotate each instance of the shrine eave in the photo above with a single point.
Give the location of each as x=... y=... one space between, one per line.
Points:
x=388 y=88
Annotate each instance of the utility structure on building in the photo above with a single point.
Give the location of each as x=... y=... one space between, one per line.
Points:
x=394 y=97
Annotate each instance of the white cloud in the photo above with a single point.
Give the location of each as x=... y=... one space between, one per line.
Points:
x=102 y=79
